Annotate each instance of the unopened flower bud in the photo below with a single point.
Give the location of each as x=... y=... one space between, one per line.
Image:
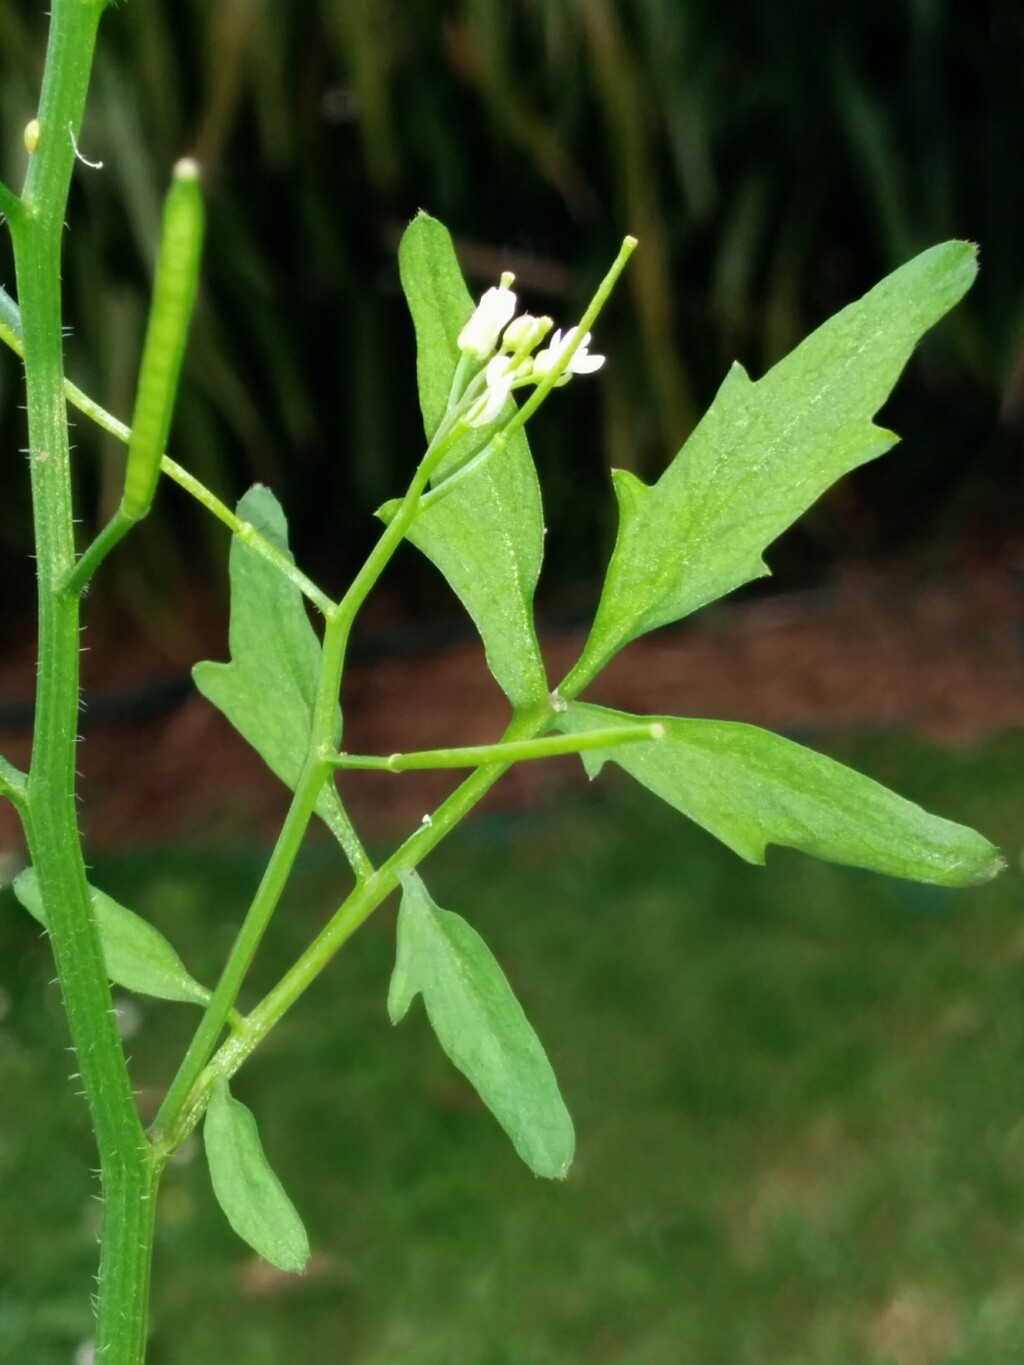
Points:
x=479 y=337
x=524 y=333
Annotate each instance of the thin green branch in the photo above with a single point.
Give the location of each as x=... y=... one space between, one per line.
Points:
x=357 y=907
x=13 y=784
x=315 y=773
x=10 y=335
x=366 y=897
x=515 y=751
x=86 y=565
x=10 y=204
x=220 y=1009
x=336 y=818
x=344 y=614
x=10 y=323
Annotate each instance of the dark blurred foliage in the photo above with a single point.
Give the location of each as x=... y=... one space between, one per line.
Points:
x=774 y=159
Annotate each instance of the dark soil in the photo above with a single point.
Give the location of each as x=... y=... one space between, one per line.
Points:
x=943 y=658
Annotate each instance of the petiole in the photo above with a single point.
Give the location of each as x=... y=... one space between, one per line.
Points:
x=514 y=751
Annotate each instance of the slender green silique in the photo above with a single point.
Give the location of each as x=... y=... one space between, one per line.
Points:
x=174 y=294
x=128 y=1168
x=10 y=335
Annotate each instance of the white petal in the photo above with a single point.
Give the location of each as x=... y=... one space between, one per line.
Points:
x=480 y=334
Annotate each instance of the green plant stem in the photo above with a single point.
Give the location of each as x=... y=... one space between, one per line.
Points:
x=86 y=565
x=10 y=335
x=10 y=204
x=394 y=533
x=315 y=772
x=248 y=534
x=515 y=751
x=127 y=1170
x=359 y=905
x=13 y=785
x=218 y=1011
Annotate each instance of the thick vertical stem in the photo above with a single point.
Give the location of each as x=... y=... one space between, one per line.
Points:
x=128 y=1171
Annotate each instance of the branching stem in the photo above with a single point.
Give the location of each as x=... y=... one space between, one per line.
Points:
x=10 y=335
x=514 y=751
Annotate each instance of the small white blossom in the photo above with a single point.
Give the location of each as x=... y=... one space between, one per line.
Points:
x=582 y=361
x=499 y=377
x=524 y=333
x=479 y=337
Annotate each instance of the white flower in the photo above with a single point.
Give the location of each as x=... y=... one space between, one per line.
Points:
x=524 y=333
x=496 y=309
x=499 y=376
x=581 y=363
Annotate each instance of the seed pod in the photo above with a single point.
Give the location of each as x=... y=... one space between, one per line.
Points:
x=174 y=293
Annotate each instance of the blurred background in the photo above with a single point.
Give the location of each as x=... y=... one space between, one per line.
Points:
x=774 y=161
x=797 y=1091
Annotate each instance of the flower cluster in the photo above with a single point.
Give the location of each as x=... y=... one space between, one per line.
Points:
x=504 y=344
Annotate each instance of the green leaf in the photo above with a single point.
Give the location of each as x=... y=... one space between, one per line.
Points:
x=749 y=788
x=481 y=1026
x=764 y=452
x=268 y=690
x=252 y=1197
x=486 y=536
x=136 y=955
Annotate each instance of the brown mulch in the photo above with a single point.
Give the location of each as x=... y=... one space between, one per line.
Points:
x=943 y=658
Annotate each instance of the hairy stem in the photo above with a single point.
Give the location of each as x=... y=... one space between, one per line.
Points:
x=127 y=1169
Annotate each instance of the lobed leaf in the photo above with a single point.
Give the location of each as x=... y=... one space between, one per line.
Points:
x=481 y=1026
x=764 y=452
x=268 y=690
x=486 y=536
x=136 y=955
x=252 y=1197
x=749 y=788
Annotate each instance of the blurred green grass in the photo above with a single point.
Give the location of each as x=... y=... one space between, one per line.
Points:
x=798 y=1094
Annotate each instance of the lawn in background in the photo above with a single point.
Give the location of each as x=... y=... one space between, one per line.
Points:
x=798 y=1092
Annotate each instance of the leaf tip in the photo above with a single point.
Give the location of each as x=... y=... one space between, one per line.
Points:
x=988 y=867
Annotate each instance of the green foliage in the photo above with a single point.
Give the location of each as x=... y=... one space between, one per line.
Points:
x=764 y=452
x=472 y=505
x=481 y=1026
x=136 y=955
x=268 y=690
x=252 y=1197
x=751 y=788
x=487 y=534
